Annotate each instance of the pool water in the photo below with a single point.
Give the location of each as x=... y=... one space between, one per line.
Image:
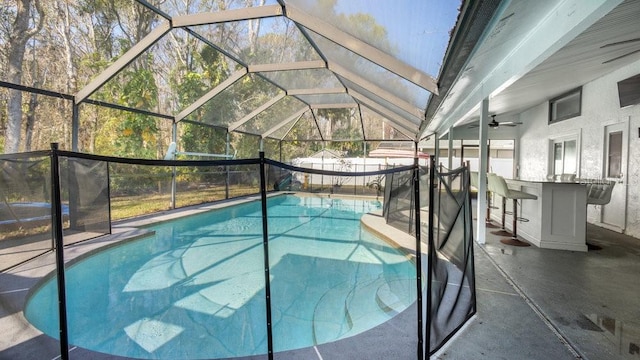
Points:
x=196 y=289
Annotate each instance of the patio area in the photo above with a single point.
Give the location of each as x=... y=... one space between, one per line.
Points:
x=550 y=304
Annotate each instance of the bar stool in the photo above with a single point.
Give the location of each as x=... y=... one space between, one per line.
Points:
x=494 y=188
x=474 y=177
x=500 y=187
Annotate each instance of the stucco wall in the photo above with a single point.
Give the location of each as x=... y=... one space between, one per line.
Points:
x=600 y=107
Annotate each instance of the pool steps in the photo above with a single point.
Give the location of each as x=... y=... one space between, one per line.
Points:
x=383 y=298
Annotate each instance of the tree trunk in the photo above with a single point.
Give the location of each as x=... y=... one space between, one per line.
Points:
x=31 y=120
x=20 y=34
x=65 y=32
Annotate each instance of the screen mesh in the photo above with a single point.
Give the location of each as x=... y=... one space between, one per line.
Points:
x=450 y=261
x=25 y=207
x=85 y=188
x=402 y=280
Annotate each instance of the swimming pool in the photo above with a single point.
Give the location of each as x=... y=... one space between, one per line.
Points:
x=195 y=289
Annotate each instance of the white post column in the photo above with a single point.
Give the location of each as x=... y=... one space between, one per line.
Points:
x=450 y=149
x=481 y=211
x=436 y=149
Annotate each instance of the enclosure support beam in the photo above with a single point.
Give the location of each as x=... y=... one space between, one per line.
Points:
x=364 y=160
x=209 y=95
x=56 y=208
x=174 y=138
x=481 y=212
x=75 y=126
x=317 y=91
x=284 y=122
x=226 y=167
x=256 y=12
x=257 y=111
x=334 y=106
x=299 y=65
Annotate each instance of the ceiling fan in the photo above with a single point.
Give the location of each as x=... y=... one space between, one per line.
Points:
x=495 y=124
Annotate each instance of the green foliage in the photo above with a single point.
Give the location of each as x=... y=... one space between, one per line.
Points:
x=205 y=139
x=136 y=132
x=208 y=70
x=247 y=146
x=344 y=125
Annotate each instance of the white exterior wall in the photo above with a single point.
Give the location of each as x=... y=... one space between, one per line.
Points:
x=600 y=107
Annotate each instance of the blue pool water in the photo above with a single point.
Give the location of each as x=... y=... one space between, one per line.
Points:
x=196 y=289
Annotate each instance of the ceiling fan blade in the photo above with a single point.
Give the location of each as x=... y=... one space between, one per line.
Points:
x=511 y=123
x=473 y=126
x=619 y=43
x=621 y=56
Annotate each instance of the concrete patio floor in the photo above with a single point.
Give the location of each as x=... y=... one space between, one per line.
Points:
x=551 y=304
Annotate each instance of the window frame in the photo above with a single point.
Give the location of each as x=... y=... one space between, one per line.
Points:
x=608 y=155
x=563 y=138
x=565 y=97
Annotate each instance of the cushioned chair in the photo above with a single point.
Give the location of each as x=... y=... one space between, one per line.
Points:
x=492 y=187
x=499 y=186
x=599 y=193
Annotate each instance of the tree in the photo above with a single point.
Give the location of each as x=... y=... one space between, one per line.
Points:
x=21 y=32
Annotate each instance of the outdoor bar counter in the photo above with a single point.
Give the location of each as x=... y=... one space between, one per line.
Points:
x=557 y=219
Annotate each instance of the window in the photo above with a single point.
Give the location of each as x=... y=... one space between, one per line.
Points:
x=565 y=106
x=565 y=157
x=564 y=154
x=614 y=155
x=629 y=91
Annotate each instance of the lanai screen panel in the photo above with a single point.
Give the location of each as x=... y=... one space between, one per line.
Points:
x=415 y=32
x=339 y=124
x=304 y=129
x=406 y=111
x=272 y=117
x=238 y=100
x=338 y=100
x=94 y=43
x=304 y=79
x=272 y=40
x=372 y=113
x=281 y=130
x=350 y=64
x=169 y=76
x=378 y=128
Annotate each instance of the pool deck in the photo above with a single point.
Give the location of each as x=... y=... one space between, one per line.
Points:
x=532 y=304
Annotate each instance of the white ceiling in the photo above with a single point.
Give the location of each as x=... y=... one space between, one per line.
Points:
x=570 y=39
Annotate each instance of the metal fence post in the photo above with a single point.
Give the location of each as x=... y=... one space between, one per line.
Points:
x=416 y=204
x=265 y=243
x=56 y=217
x=430 y=249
